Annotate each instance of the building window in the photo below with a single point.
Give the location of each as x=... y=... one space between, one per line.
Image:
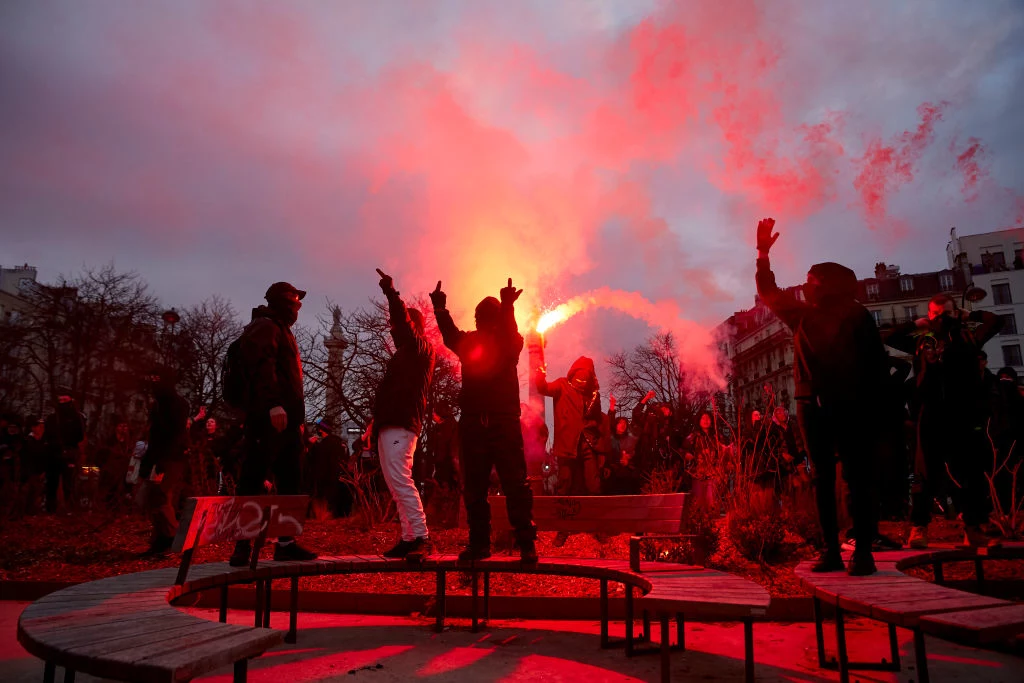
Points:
x=998 y=261
x=910 y=312
x=1009 y=324
x=906 y=284
x=872 y=290
x=877 y=315
x=800 y=294
x=946 y=281
x=1001 y=294
x=1011 y=355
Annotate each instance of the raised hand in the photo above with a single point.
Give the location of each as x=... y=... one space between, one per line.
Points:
x=510 y=294
x=387 y=285
x=647 y=397
x=765 y=238
x=611 y=403
x=438 y=298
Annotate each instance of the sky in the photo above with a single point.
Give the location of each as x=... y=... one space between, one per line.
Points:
x=619 y=151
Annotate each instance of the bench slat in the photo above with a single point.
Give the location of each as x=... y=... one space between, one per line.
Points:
x=195 y=660
x=978 y=626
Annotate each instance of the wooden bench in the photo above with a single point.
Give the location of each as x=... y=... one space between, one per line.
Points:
x=898 y=600
x=676 y=591
x=124 y=628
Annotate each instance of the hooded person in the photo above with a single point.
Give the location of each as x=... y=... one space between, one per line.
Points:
x=840 y=367
x=165 y=461
x=274 y=409
x=490 y=432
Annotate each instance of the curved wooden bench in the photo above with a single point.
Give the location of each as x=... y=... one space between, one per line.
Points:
x=896 y=599
x=124 y=627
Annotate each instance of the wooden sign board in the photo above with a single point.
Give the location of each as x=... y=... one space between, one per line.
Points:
x=214 y=519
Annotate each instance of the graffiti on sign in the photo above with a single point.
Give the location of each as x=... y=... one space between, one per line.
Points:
x=233 y=520
x=566 y=508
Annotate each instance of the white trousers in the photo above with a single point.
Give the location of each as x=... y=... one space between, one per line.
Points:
x=396 y=447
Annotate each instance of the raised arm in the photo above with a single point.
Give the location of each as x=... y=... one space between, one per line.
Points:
x=450 y=333
x=540 y=379
x=785 y=306
x=401 y=326
x=990 y=325
x=509 y=335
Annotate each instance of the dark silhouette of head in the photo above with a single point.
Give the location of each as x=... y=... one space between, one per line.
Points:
x=488 y=313
x=830 y=283
x=285 y=300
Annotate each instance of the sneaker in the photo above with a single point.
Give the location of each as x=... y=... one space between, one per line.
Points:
x=828 y=561
x=560 y=539
x=400 y=550
x=474 y=553
x=528 y=552
x=421 y=547
x=918 y=538
x=240 y=557
x=883 y=543
x=861 y=564
x=974 y=537
x=293 y=552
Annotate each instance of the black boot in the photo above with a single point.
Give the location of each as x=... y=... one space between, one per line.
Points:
x=240 y=557
x=159 y=547
x=862 y=563
x=828 y=561
x=473 y=553
x=528 y=552
x=292 y=552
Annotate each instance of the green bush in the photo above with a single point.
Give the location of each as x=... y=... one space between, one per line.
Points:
x=757 y=526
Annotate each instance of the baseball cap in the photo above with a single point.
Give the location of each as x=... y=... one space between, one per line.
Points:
x=281 y=288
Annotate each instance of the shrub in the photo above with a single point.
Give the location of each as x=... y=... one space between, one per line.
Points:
x=757 y=526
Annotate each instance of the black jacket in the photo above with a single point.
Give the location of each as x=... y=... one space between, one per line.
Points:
x=168 y=431
x=65 y=428
x=490 y=380
x=402 y=396
x=838 y=353
x=271 y=360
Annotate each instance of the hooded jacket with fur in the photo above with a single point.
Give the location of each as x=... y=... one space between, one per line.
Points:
x=577 y=407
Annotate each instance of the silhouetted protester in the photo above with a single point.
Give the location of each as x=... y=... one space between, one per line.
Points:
x=783 y=454
x=1007 y=430
x=620 y=475
x=65 y=437
x=954 y=409
x=32 y=469
x=326 y=461
x=274 y=409
x=113 y=459
x=841 y=370
x=489 y=429
x=164 y=465
x=398 y=413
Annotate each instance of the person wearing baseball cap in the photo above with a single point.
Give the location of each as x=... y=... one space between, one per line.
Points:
x=275 y=409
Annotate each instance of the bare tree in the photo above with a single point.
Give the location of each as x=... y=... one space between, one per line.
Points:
x=207 y=330
x=94 y=333
x=655 y=366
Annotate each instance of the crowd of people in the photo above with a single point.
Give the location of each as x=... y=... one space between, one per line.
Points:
x=943 y=418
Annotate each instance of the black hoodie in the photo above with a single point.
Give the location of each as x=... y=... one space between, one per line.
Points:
x=489 y=357
x=271 y=360
x=838 y=356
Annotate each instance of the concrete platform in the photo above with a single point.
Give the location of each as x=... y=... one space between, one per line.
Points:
x=384 y=649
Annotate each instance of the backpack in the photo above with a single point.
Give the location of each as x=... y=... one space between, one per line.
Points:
x=234 y=377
